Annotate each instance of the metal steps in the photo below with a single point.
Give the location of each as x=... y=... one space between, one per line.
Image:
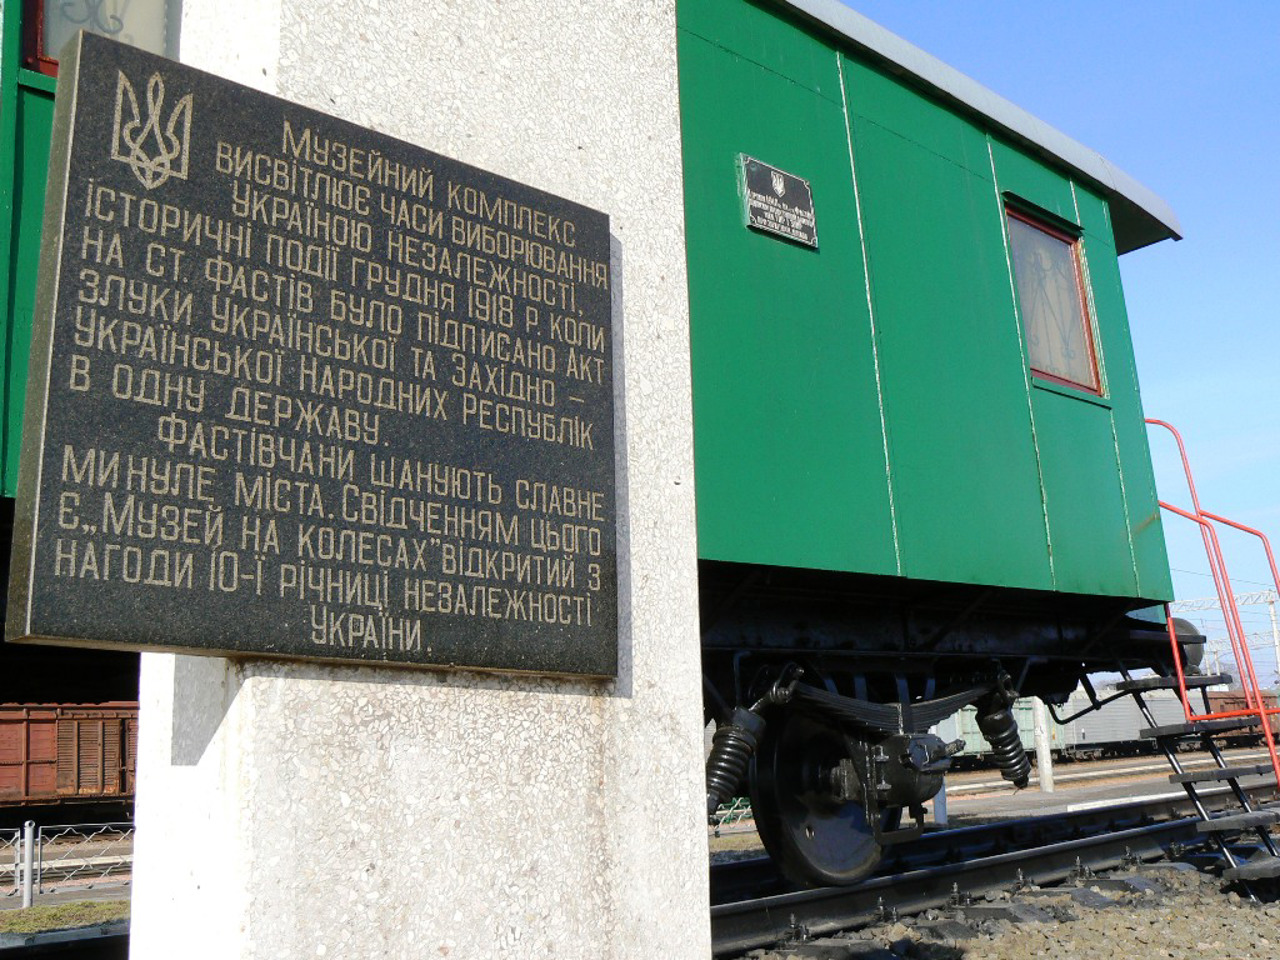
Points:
x=1193 y=681
x=1220 y=773
x=1199 y=727
x=1219 y=829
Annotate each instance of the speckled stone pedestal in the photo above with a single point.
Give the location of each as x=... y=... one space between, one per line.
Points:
x=310 y=811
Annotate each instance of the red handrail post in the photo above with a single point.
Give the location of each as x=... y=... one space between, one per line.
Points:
x=1230 y=610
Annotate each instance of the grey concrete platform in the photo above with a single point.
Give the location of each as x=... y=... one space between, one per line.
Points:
x=101 y=892
x=1068 y=796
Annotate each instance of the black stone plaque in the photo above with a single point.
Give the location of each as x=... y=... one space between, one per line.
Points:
x=302 y=390
x=778 y=202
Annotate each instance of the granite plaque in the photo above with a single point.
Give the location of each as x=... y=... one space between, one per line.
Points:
x=302 y=390
x=778 y=202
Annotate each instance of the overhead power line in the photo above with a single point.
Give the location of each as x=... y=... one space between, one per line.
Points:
x=1212 y=603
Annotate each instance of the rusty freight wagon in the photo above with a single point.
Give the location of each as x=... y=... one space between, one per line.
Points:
x=1235 y=700
x=52 y=753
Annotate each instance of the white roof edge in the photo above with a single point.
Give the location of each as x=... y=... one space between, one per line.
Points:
x=953 y=85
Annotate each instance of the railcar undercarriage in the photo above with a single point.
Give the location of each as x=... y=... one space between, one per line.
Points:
x=824 y=688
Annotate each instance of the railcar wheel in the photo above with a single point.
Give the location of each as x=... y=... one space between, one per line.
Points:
x=815 y=837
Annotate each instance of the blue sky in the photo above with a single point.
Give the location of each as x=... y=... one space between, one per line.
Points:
x=1185 y=97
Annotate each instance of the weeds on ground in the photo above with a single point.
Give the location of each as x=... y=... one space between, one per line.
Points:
x=63 y=916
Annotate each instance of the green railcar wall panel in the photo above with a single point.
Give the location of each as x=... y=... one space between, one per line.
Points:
x=963 y=467
x=1031 y=181
x=1087 y=515
x=885 y=101
x=1076 y=516
x=26 y=115
x=790 y=451
x=754 y=32
x=1132 y=446
x=1088 y=531
x=33 y=119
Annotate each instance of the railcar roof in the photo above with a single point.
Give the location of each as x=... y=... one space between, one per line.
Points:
x=1139 y=217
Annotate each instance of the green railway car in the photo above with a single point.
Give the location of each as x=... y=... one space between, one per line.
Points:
x=923 y=479
x=922 y=469
x=26 y=115
x=28 y=81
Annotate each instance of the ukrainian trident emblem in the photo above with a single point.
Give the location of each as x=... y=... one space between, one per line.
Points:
x=155 y=148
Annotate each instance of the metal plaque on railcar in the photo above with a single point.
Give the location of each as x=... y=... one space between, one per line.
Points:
x=778 y=202
x=302 y=390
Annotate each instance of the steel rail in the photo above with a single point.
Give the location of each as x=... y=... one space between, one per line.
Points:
x=921 y=875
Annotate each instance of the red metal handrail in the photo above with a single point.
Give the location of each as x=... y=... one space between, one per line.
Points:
x=1231 y=613
x=1256 y=705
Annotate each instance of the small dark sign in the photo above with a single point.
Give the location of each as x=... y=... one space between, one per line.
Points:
x=302 y=390
x=778 y=202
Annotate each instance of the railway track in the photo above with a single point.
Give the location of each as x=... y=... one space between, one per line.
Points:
x=751 y=907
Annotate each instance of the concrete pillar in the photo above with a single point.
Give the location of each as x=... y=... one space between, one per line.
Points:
x=291 y=810
x=1044 y=751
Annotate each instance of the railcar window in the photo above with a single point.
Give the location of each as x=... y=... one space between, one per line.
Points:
x=49 y=24
x=1051 y=298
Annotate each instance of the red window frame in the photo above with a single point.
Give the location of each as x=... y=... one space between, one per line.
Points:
x=1082 y=294
x=33 y=39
